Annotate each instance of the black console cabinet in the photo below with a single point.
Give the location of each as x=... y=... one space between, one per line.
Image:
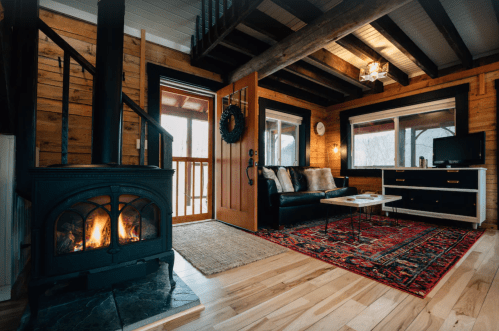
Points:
x=456 y=194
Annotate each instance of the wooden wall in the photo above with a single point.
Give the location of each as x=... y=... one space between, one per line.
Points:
x=482 y=117
x=82 y=36
x=318 y=157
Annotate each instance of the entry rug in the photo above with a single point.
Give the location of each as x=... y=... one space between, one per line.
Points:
x=411 y=257
x=213 y=247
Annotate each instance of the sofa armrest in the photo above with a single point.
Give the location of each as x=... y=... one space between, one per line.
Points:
x=266 y=188
x=341 y=181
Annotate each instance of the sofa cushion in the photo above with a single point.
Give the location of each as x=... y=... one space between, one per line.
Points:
x=298 y=179
x=285 y=180
x=320 y=179
x=297 y=198
x=270 y=174
x=341 y=192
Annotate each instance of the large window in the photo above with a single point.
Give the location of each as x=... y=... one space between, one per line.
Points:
x=281 y=138
x=400 y=136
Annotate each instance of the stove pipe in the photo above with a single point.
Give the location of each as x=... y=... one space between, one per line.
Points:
x=107 y=100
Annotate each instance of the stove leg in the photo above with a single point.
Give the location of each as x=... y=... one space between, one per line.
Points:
x=170 y=259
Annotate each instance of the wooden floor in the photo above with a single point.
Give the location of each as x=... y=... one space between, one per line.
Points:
x=291 y=291
x=294 y=292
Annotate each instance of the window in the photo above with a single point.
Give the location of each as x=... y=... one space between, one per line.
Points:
x=400 y=136
x=282 y=138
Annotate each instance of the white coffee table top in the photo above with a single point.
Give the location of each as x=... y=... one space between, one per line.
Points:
x=362 y=200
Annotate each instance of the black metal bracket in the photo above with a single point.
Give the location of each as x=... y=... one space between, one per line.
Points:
x=60 y=62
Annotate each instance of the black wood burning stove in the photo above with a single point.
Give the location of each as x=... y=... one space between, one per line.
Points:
x=103 y=224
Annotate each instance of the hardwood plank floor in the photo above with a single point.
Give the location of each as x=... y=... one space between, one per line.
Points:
x=292 y=291
x=296 y=292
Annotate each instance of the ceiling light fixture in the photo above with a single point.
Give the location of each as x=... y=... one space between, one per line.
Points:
x=373 y=71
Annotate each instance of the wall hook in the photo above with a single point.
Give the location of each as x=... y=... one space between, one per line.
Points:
x=60 y=62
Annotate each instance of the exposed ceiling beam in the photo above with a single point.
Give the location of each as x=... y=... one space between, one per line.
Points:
x=391 y=31
x=277 y=86
x=366 y=53
x=222 y=27
x=228 y=56
x=307 y=12
x=312 y=73
x=303 y=84
x=340 y=67
x=252 y=46
x=439 y=16
x=277 y=31
x=338 y=22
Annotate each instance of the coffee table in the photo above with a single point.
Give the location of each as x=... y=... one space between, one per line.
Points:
x=359 y=201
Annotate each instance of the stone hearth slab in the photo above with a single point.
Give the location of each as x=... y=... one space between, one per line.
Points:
x=127 y=306
x=148 y=300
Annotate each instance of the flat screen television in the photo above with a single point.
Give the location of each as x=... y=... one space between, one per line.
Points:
x=461 y=150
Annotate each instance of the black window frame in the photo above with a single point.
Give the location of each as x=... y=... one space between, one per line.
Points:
x=459 y=92
x=304 y=128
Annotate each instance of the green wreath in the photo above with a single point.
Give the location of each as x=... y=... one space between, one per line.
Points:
x=234 y=135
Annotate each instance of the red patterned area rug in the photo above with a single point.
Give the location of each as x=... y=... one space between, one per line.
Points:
x=411 y=257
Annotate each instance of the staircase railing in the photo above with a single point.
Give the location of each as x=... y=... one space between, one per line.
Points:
x=70 y=52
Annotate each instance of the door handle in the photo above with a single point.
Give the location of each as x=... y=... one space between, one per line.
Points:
x=250 y=165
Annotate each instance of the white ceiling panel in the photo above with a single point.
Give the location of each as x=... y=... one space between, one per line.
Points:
x=414 y=21
x=476 y=23
x=371 y=37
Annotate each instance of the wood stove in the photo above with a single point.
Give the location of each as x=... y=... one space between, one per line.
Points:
x=102 y=224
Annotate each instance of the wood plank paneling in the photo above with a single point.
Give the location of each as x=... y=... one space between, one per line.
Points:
x=482 y=117
x=82 y=36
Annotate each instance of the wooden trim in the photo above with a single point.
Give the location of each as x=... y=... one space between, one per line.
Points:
x=191 y=311
x=142 y=68
x=304 y=148
x=497 y=117
x=190 y=159
x=344 y=19
x=441 y=19
x=390 y=30
x=280 y=87
x=460 y=92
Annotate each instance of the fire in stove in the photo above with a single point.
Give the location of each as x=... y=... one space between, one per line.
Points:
x=87 y=225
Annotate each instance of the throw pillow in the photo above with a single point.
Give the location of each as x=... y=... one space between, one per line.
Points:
x=285 y=180
x=270 y=174
x=299 y=180
x=320 y=179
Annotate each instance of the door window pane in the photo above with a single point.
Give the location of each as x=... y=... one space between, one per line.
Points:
x=416 y=134
x=374 y=144
x=177 y=127
x=199 y=138
x=289 y=147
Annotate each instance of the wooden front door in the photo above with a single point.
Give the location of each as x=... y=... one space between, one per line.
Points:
x=236 y=198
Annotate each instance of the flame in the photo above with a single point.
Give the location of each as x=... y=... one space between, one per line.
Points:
x=96 y=238
x=126 y=236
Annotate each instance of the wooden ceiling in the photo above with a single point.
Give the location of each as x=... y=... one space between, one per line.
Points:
x=313 y=49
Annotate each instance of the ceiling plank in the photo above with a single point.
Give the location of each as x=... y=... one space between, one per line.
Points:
x=338 y=22
x=303 y=84
x=439 y=16
x=366 y=53
x=292 y=91
x=302 y=9
x=216 y=33
x=391 y=31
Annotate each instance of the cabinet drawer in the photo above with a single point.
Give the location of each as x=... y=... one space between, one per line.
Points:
x=458 y=179
x=455 y=203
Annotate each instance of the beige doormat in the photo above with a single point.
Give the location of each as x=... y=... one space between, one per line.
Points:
x=213 y=247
